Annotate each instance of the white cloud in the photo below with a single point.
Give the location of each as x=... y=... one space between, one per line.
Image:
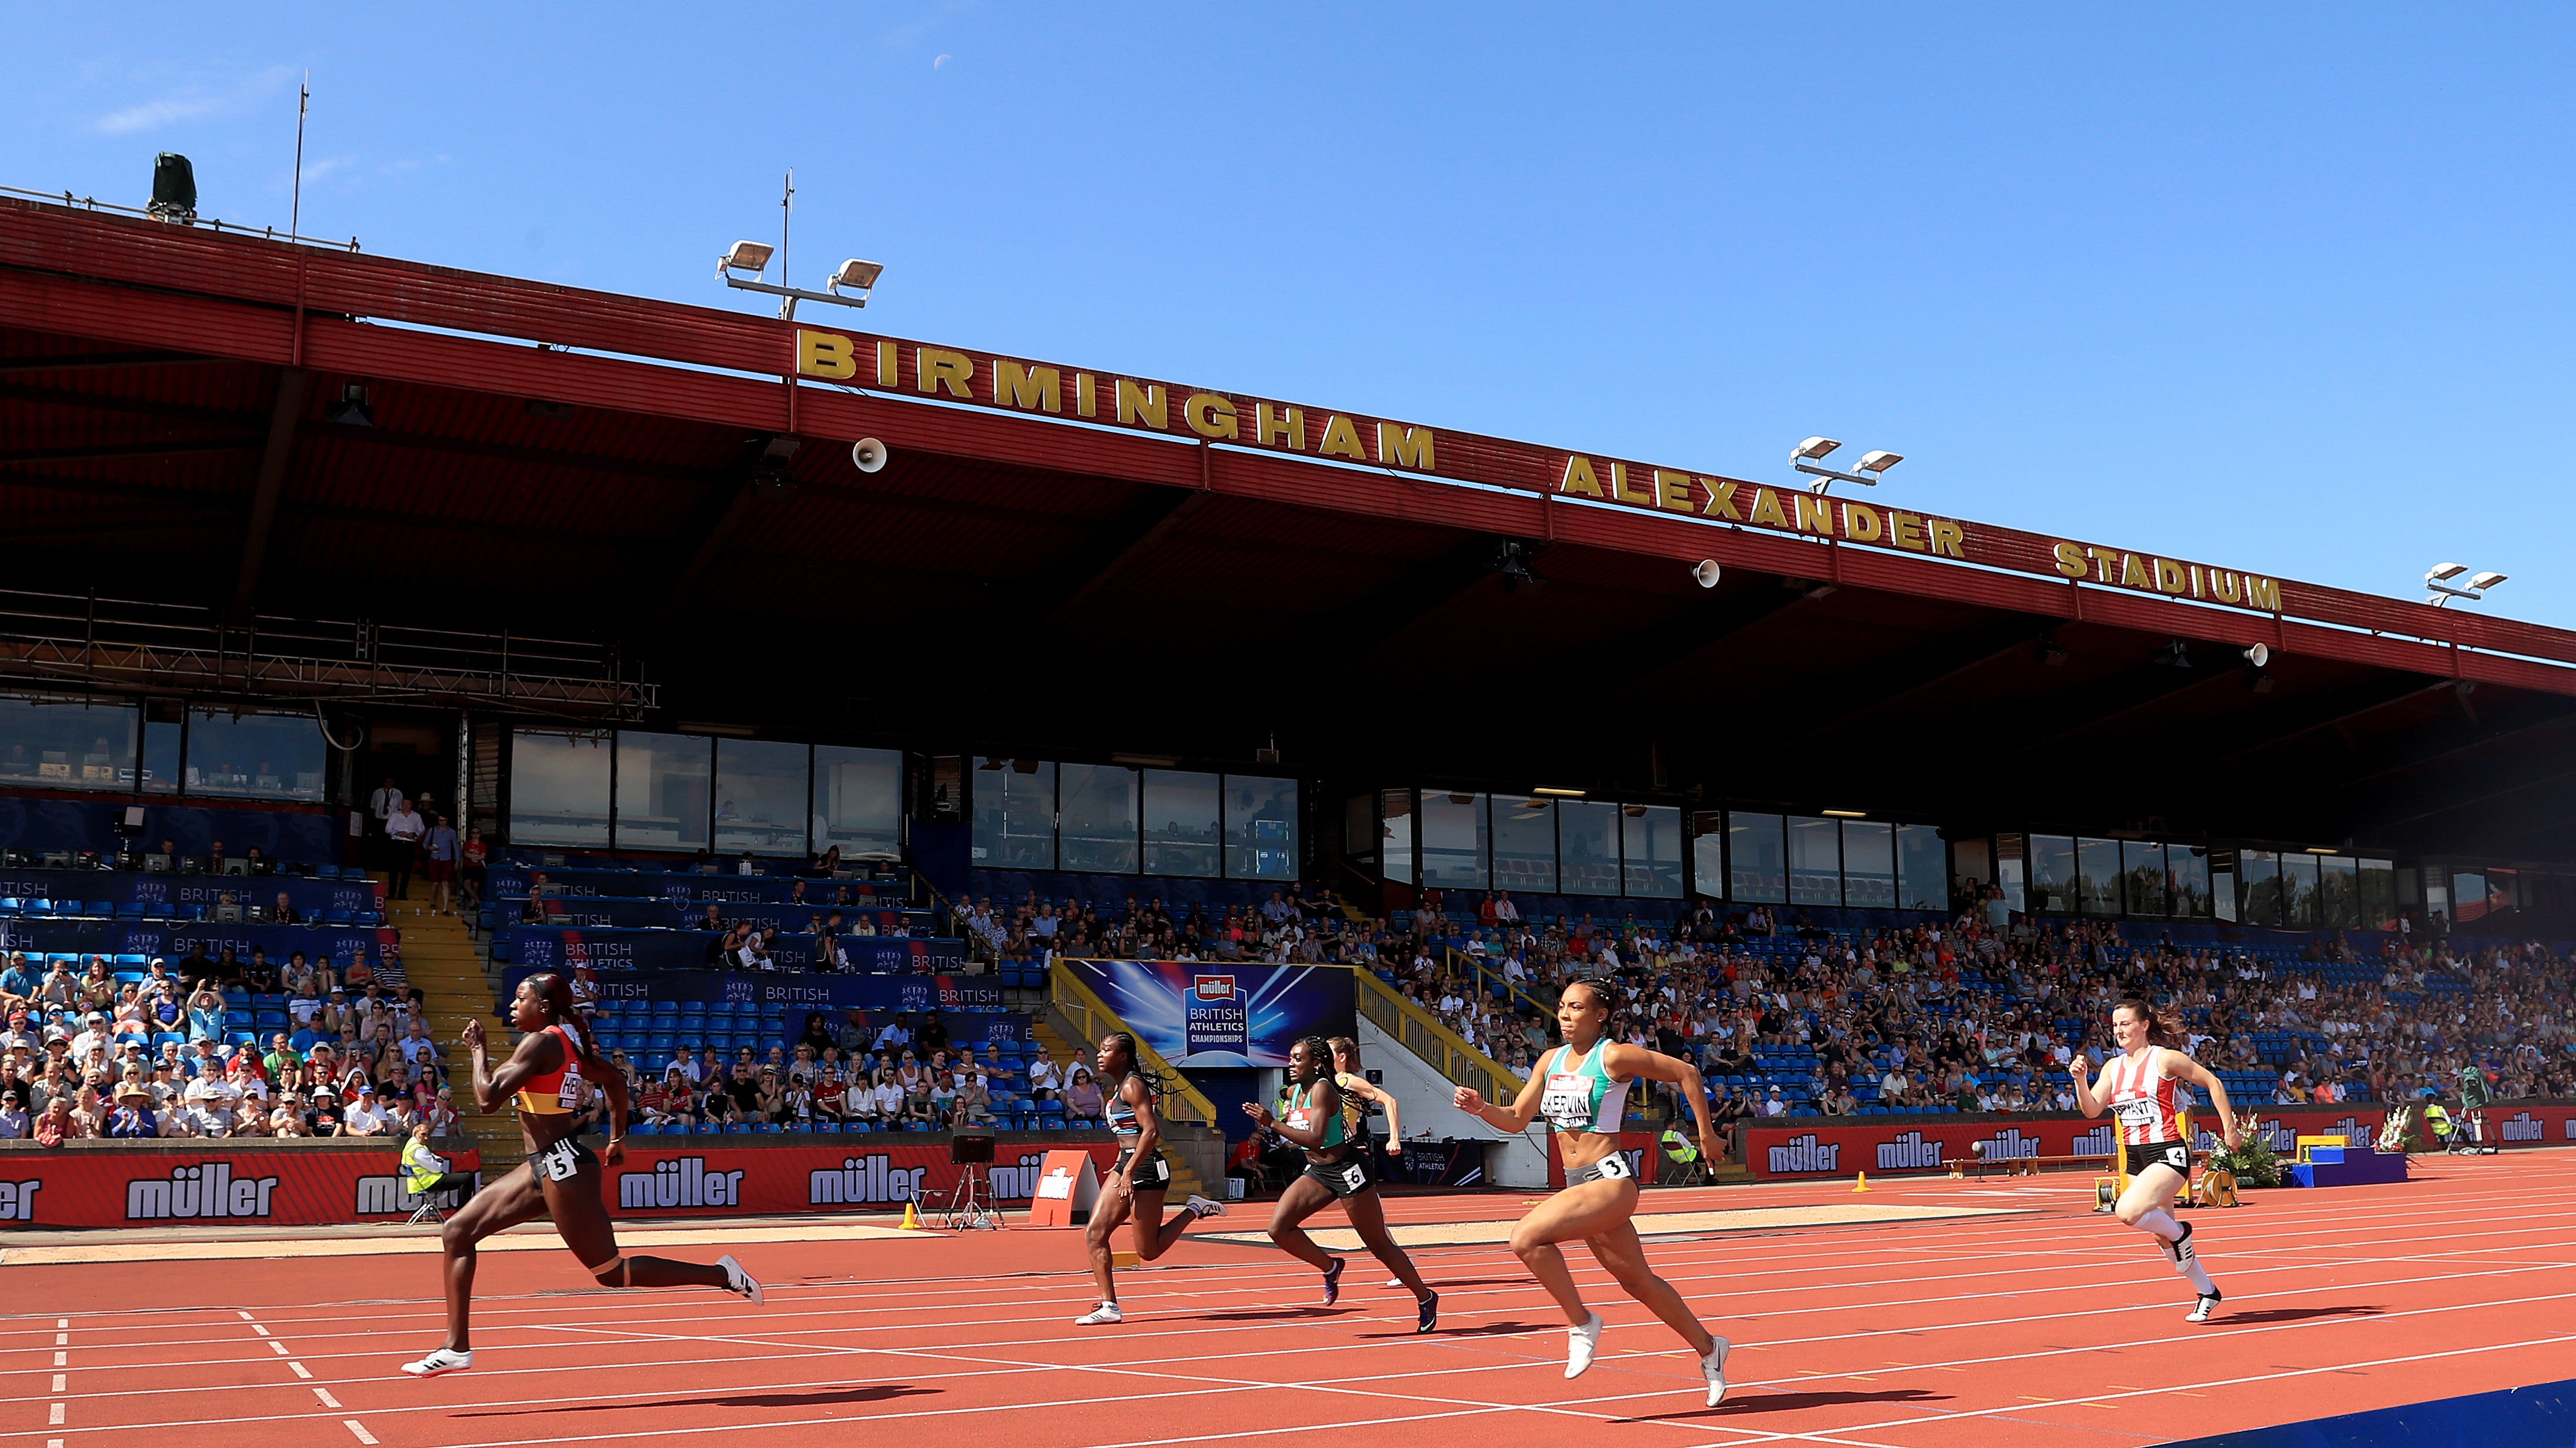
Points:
x=193 y=102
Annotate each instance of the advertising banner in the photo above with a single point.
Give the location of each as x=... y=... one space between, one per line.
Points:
x=687 y=950
x=788 y=992
x=119 y=937
x=1814 y=1150
x=594 y=912
x=284 y=1187
x=1212 y=1013
x=165 y=888
x=835 y=1173
x=1639 y=1147
x=506 y=882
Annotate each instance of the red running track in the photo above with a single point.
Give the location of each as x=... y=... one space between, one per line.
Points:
x=1988 y=1331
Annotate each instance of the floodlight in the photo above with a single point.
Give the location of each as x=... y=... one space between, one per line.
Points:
x=1847 y=814
x=1560 y=793
x=2444 y=572
x=856 y=275
x=1879 y=462
x=2485 y=581
x=750 y=256
x=1813 y=448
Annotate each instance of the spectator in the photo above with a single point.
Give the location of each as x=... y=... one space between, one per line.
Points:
x=425 y=1172
x=363 y=1117
x=404 y=829
x=56 y=1125
x=15 y=1124
x=439 y=866
x=288 y=1120
x=471 y=859
x=1082 y=1099
x=888 y=1095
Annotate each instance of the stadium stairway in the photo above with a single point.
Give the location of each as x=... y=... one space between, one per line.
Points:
x=1050 y=1027
x=439 y=957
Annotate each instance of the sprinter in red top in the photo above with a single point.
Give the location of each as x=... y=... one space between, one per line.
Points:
x=2145 y=1088
x=561 y=1177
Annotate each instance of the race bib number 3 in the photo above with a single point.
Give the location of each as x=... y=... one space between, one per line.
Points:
x=1614 y=1167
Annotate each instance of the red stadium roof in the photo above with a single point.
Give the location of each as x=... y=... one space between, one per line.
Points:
x=1194 y=575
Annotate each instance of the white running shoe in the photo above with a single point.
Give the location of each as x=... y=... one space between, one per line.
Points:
x=741 y=1283
x=1105 y=1315
x=1580 y=1343
x=2200 y=1310
x=440 y=1362
x=1713 y=1368
x=1395 y=1282
x=1205 y=1207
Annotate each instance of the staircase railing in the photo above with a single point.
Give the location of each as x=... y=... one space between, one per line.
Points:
x=1426 y=1036
x=1093 y=1019
x=1487 y=977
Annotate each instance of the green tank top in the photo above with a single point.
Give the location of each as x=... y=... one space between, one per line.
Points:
x=1303 y=1115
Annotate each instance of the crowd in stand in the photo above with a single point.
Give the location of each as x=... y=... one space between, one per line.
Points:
x=84 y=1054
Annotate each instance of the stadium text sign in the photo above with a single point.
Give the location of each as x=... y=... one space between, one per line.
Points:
x=947 y=375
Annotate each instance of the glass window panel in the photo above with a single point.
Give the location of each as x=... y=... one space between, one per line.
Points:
x=662 y=791
x=1650 y=840
x=2468 y=898
x=2222 y=894
x=2338 y=892
x=1359 y=828
x=1181 y=823
x=1096 y=818
x=1815 y=861
x=761 y=795
x=1524 y=844
x=1453 y=839
x=2298 y=890
x=1395 y=833
x=1708 y=854
x=1587 y=846
x=858 y=802
x=1757 y=859
x=2097 y=876
x=262 y=756
x=1922 y=869
x=1261 y=829
x=1869 y=864
x=1014 y=826
x=2143 y=886
x=2379 y=894
x=161 y=755
x=2052 y=874
x=67 y=743
x=2011 y=873
x=2187 y=874
x=2262 y=886
x=559 y=787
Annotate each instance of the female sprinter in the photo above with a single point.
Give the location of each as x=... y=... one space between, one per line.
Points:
x=1581 y=1088
x=561 y=1178
x=2143 y=1087
x=1136 y=1184
x=1320 y=1119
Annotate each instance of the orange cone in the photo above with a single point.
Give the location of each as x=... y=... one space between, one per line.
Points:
x=911 y=1219
x=1861 y=1185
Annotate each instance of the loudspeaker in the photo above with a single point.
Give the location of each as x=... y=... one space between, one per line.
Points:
x=1707 y=573
x=868 y=455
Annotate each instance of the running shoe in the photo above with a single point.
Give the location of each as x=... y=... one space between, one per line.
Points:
x=1105 y=1315
x=1579 y=1345
x=2179 y=1250
x=1426 y=1313
x=2200 y=1310
x=740 y=1283
x=1713 y=1368
x=1333 y=1283
x=1395 y=1282
x=1204 y=1206
x=440 y=1362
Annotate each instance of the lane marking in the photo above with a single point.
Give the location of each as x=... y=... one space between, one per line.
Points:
x=54 y=1419
x=299 y=1368
x=59 y=1380
x=62 y=1359
x=325 y=1395
x=255 y=1327
x=62 y=1339
x=354 y=1426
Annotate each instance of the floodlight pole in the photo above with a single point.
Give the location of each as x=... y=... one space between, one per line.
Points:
x=1829 y=477
x=787 y=309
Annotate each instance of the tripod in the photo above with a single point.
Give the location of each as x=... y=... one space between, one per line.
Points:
x=969 y=1204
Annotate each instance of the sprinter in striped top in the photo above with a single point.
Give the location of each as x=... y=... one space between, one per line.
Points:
x=2146 y=1089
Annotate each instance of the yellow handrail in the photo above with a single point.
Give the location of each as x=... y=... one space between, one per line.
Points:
x=1423 y=1033
x=1481 y=971
x=1181 y=1100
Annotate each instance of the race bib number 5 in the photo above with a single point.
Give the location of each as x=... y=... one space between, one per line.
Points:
x=559 y=1162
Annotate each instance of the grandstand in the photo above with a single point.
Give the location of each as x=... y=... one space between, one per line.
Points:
x=724 y=705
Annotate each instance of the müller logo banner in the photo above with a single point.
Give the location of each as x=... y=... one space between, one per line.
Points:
x=296 y=1187
x=1106 y=399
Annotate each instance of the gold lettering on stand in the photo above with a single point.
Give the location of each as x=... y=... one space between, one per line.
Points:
x=1209 y=415
x=1620 y=492
x=1579 y=478
x=1341 y=440
x=1027 y=387
x=1905 y=531
x=1721 y=499
x=887 y=352
x=1766 y=508
x=1946 y=538
x=1673 y=491
x=1289 y=426
x=1860 y=523
x=1814 y=514
x=1145 y=404
x=825 y=354
x=2070 y=560
x=1399 y=446
x=934 y=368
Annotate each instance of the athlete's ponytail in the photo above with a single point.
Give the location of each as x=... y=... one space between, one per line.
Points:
x=2161 y=1030
x=556 y=992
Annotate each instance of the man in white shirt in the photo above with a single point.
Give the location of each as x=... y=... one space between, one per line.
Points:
x=403 y=830
x=363 y=1118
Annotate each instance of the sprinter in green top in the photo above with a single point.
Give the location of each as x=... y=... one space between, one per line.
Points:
x=1581 y=1088
x=1336 y=1170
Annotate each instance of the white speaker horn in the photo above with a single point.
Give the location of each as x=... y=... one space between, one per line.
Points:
x=2259 y=655
x=1707 y=573
x=868 y=455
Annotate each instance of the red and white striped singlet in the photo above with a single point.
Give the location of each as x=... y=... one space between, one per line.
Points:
x=2146 y=1101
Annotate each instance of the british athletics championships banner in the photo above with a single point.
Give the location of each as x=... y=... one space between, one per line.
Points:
x=687 y=950
x=171 y=942
x=1209 y=1013
x=292 y=1187
x=1811 y=1149
x=788 y=992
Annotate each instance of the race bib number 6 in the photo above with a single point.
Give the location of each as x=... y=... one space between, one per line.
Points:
x=1355 y=1176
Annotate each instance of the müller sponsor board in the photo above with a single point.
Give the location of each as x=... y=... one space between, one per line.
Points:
x=1920 y=1146
x=869 y=1170
x=285 y=1188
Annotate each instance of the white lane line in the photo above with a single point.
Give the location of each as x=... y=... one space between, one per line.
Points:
x=277 y=1347
x=325 y=1395
x=62 y=1339
x=354 y=1426
x=62 y=1359
x=299 y=1368
x=243 y=1315
x=54 y=1419
x=255 y=1327
x=59 y=1380
x=62 y=1322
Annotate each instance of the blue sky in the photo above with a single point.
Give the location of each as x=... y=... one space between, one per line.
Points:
x=2286 y=291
